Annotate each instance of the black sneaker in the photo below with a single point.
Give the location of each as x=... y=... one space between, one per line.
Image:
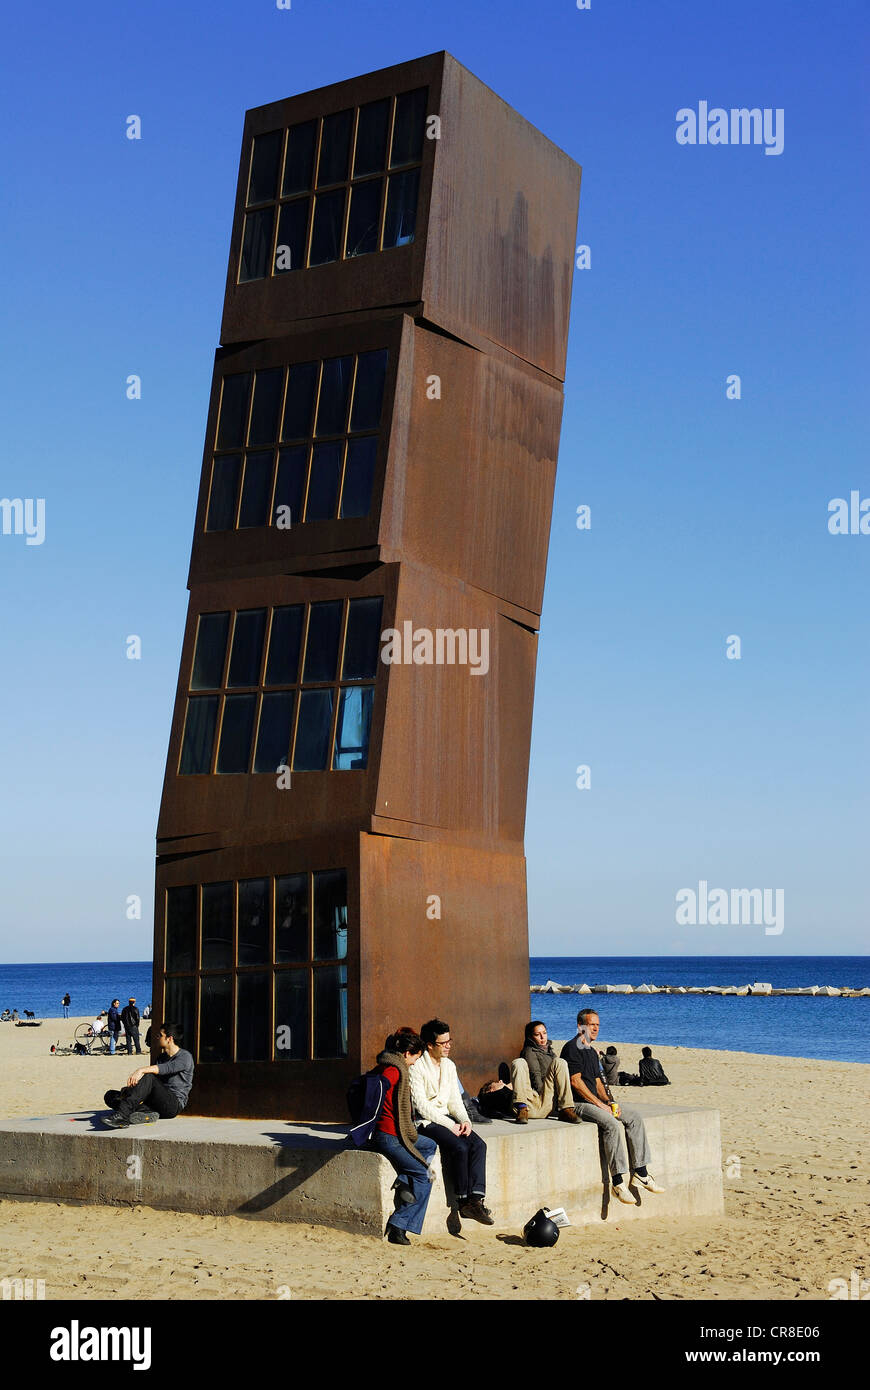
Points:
x=397 y=1237
x=144 y=1117
x=116 y=1120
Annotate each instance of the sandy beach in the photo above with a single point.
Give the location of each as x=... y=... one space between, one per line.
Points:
x=796 y=1202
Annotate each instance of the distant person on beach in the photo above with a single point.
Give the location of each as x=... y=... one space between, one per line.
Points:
x=650 y=1070
x=438 y=1101
x=540 y=1079
x=610 y=1062
x=130 y=1020
x=65 y=1002
x=113 y=1023
x=14 y=1015
x=395 y=1136
x=595 y=1106
x=159 y=1092
x=98 y=1025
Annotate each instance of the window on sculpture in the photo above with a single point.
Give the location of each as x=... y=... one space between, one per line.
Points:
x=283 y=995
x=334 y=188
x=297 y=444
x=291 y=687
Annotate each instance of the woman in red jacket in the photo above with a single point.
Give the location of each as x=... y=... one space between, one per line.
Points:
x=395 y=1136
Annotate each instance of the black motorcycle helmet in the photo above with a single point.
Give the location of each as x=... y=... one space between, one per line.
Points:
x=541 y=1230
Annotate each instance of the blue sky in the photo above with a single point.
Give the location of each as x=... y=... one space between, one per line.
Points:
x=709 y=516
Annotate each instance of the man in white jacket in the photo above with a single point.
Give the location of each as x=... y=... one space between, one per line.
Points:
x=438 y=1101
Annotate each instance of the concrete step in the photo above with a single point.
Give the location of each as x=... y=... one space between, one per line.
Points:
x=296 y=1172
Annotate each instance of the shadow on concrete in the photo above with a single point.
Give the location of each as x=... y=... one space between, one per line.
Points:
x=305 y=1165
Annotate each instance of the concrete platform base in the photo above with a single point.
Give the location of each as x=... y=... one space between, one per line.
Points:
x=296 y=1172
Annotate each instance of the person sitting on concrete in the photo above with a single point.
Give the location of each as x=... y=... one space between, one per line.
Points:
x=540 y=1079
x=98 y=1025
x=395 y=1136
x=130 y=1020
x=438 y=1102
x=497 y=1100
x=159 y=1092
x=610 y=1063
x=595 y=1106
x=650 y=1070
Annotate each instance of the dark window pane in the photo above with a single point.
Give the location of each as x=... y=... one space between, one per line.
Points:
x=409 y=126
x=276 y=728
x=299 y=406
x=256 y=490
x=257 y=245
x=291 y=1015
x=371 y=138
x=334 y=148
x=234 y=410
x=330 y=915
x=354 y=726
x=401 y=218
x=330 y=1011
x=253 y=1023
x=211 y=648
x=266 y=410
x=362 y=644
x=253 y=921
x=365 y=218
x=247 y=650
x=334 y=391
x=181 y=928
x=356 y=495
x=325 y=478
x=224 y=493
x=263 y=183
x=312 y=734
x=291 y=918
x=292 y=236
x=180 y=1008
x=234 y=753
x=283 y=664
x=198 y=735
x=290 y=487
x=215 y=1018
x=328 y=227
x=299 y=164
x=217 y=925
x=368 y=392
x=324 y=625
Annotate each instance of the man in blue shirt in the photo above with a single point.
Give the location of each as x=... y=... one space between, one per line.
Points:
x=158 y=1092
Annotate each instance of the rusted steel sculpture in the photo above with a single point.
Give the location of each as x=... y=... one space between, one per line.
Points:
x=340 y=844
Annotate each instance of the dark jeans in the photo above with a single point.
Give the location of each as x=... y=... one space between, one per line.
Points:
x=151 y=1092
x=410 y=1216
x=466 y=1158
x=133 y=1036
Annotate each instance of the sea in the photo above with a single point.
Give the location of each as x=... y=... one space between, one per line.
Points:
x=803 y=1026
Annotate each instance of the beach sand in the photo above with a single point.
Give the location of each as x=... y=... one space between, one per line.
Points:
x=796 y=1202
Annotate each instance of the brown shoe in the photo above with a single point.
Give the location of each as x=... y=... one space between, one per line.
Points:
x=570 y=1116
x=521 y=1114
x=474 y=1210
